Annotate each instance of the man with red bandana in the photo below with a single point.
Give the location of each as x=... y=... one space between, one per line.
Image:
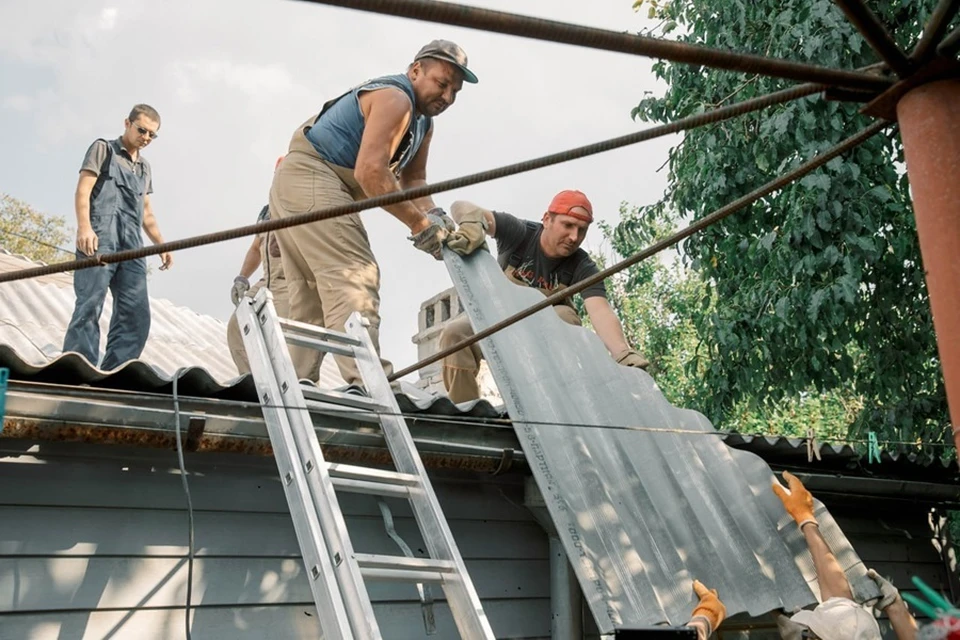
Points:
x=544 y=255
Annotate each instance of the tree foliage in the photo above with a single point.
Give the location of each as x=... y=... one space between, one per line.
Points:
x=818 y=289
x=28 y=232
x=658 y=300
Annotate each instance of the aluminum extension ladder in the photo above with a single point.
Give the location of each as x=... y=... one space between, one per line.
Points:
x=335 y=571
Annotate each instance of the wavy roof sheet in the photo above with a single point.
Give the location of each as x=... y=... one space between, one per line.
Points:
x=640 y=513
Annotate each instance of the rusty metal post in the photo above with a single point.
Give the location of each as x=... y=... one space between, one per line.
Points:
x=930 y=130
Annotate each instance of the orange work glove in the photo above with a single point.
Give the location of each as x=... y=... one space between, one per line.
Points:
x=710 y=608
x=798 y=502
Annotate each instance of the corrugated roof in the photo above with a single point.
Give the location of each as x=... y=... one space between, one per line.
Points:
x=640 y=513
x=34 y=315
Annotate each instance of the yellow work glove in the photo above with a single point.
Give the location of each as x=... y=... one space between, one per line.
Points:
x=631 y=358
x=798 y=501
x=471 y=235
x=710 y=609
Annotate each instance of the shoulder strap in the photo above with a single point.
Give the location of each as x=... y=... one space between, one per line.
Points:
x=104 y=168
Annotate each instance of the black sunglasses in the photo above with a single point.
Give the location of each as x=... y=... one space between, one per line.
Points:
x=144 y=131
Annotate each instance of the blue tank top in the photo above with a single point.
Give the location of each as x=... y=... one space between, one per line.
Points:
x=337 y=131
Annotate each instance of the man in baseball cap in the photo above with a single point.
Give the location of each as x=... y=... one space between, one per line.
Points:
x=370 y=141
x=544 y=255
x=448 y=52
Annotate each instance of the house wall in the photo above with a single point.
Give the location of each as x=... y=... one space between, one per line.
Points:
x=93 y=543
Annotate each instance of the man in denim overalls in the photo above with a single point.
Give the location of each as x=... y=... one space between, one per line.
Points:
x=113 y=204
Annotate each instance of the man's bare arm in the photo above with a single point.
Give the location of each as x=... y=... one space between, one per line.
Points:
x=251 y=261
x=87 y=240
x=833 y=581
x=606 y=323
x=386 y=113
x=460 y=207
x=415 y=173
x=152 y=229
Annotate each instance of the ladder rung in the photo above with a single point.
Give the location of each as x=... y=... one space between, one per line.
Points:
x=354 y=472
x=320 y=345
x=341 y=411
x=320 y=333
x=311 y=392
x=372 y=488
x=376 y=482
x=381 y=561
x=402 y=575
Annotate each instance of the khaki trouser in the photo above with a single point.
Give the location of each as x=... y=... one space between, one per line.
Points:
x=461 y=367
x=273 y=273
x=329 y=266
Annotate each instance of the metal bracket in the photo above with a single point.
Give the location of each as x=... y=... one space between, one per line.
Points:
x=194 y=432
x=506 y=462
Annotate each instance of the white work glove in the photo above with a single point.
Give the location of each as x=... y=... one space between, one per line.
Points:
x=240 y=287
x=888 y=592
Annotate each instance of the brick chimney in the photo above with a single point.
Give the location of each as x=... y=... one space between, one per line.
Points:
x=435 y=313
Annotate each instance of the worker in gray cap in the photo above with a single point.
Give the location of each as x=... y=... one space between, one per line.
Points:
x=370 y=141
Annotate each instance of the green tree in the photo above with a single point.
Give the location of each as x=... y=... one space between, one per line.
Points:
x=25 y=231
x=819 y=287
x=657 y=301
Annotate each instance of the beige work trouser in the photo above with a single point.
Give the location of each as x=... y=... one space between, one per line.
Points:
x=329 y=266
x=461 y=367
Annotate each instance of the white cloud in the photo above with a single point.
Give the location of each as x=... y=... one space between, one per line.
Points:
x=17 y=102
x=108 y=18
x=233 y=80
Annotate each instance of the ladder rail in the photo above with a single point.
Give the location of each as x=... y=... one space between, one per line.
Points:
x=326 y=591
x=461 y=595
x=290 y=402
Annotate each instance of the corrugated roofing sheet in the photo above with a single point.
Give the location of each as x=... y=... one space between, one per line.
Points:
x=640 y=513
x=34 y=315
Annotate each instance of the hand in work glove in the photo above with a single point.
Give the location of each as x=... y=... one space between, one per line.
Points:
x=888 y=592
x=448 y=222
x=471 y=235
x=431 y=239
x=798 y=501
x=630 y=358
x=710 y=609
x=240 y=286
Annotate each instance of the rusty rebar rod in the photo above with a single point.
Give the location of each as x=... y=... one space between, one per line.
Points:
x=950 y=45
x=876 y=35
x=655 y=248
x=935 y=28
x=709 y=117
x=567 y=33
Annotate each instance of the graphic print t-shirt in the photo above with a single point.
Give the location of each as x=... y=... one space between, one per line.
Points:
x=522 y=237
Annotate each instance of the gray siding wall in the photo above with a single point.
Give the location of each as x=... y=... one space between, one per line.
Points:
x=93 y=544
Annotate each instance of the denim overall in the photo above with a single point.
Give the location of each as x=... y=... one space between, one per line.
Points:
x=116 y=215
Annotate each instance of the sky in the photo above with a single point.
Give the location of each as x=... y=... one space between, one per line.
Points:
x=233 y=79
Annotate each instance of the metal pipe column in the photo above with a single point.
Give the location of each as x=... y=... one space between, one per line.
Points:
x=929 y=118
